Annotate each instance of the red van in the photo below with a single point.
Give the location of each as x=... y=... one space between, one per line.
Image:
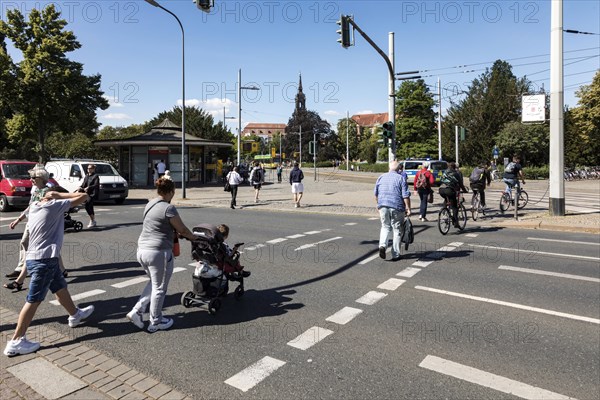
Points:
x=15 y=185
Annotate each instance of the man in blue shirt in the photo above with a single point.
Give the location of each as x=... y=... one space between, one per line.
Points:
x=393 y=202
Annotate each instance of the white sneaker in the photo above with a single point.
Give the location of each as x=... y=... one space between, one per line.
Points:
x=92 y=224
x=136 y=318
x=80 y=315
x=20 y=346
x=164 y=324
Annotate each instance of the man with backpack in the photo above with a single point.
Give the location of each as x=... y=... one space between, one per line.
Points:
x=423 y=182
x=512 y=172
x=257 y=177
x=480 y=177
x=452 y=182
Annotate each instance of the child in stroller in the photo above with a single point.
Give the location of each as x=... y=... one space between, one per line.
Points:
x=217 y=264
x=70 y=222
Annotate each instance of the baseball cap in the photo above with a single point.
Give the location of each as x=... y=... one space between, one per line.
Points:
x=39 y=172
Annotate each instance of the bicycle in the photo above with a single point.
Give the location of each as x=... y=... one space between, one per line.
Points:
x=506 y=199
x=445 y=219
x=476 y=207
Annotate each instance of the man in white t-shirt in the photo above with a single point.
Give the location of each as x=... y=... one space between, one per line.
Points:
x=161 y=168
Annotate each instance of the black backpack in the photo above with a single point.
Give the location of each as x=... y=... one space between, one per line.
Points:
x=477 y=175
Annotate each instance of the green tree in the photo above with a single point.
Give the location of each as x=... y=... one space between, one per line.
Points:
x=493 y=99
x=7 y=92
x=584 y=132
x=369 y=148
x=198 y=123
x=311 y=123
x=52 y=95
x=415 y=123
x=531 y=141
x=348 y=127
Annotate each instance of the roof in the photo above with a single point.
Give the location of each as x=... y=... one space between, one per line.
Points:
x=368 y=120
x=164 y=134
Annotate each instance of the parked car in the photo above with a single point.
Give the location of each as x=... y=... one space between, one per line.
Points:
x=437 y=167
x=15 y=185
x=70 y=173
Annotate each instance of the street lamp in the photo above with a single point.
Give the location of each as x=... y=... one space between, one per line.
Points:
x=155 y=4
x=225 y=118
x=240 y=87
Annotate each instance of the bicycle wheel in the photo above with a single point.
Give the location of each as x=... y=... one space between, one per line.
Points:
x=462 y=217
x=504 y=202
x=444 y=220
x=523 y=199
x=475 y=206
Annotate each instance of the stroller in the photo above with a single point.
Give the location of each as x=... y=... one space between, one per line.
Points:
x=215 y=268
x=70 y=223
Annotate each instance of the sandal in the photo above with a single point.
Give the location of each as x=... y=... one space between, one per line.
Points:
x=14 y=285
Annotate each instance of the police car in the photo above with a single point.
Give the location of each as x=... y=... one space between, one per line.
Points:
x=413 y=165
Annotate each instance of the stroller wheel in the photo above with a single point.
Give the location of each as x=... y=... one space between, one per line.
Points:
x=78 y=226
x=213 y=306
x=239 y=292
x=187 y=299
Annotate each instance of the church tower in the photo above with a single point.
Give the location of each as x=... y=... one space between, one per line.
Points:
x=300 y=98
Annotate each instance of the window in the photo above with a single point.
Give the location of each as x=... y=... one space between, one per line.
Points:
x=75 y=171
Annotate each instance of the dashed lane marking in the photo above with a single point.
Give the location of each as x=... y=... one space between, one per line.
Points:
x=308 y=246
x=350 y=223
x=408 y=272
x=80 y=296
x=299 y=235
x=455 y=244
x=373 y=218
x=446 y=248
x=344 y=316
x=278 y=240
x=548 y=273
x=391 y=284
x=513 y=305
x=371 y=298
x=309 y=338
x=488 y=379
x=258 y=246
x=473 y=235
x=564 y=241
x=538 y=252
x=312 y=232
x=422 y=263
x=131 y=282
x=254 y=374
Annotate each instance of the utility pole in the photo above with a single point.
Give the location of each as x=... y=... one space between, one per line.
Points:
x=456 y=143
x=300 y=152
x=347 y=141
x=439 y=119
x=392 y=97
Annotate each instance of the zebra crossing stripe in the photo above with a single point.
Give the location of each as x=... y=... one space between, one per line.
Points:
x=255 y=373
x=309 y=338
x=80 y=296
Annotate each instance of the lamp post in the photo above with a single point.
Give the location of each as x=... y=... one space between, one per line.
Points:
x=225 y=118
x=155 y=4
x=240 y=87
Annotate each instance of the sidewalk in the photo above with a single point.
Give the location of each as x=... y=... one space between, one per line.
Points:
x=66 y=369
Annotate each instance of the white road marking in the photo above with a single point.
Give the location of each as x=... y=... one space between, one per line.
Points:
x=350 y=223
x=278 y=240
x=312 y=232
x=254 y=374
x=446 y=248
x=80 y=296
x=421 y=263
x=138 y=207
x=564 y=241
x=472 y=234
x=102 y=209
x=344 y=316
x=488 y=379
x=513 y=305
x=455 y=244
x=309 y=338
x=557 y=274
x=307 y=246
x=371 y=298
x=258 y=246
x=369 y=259
x=408 y=272
x=299 y=235
x=373 y=218
x=130 y=282
x=8 y=218
x=391 y=284
x=178 y=269
x=538 y=252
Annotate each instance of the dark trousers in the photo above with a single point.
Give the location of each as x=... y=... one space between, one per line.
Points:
x=423 y=195
x=89 y=206
x=450 y=194
x=279 y=178
x=481 y=189
x=234 y=189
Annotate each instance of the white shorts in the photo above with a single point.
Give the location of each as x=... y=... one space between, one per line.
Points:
x=297 y=187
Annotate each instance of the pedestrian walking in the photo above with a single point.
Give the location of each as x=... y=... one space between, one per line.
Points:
x=423 y=182
x=393 y=204
x=296 y=177
x=46 y=228
x=155 y=254
x=257 y=178
x=279 y=171
x=235 y=179
x=91 y=186
x=161 y=168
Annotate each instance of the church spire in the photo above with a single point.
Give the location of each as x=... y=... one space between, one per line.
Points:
x=300 y=97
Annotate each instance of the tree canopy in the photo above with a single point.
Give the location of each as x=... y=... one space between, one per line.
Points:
x=582 y=130
x=311 y=123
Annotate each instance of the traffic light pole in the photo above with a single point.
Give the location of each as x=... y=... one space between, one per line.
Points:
x=390 y=64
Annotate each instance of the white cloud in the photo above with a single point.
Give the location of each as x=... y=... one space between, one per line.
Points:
x=112 y=101
x=332 y=113
x=117 y=116
x=365 y=112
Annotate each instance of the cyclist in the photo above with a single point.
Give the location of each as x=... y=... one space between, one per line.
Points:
x=452 y=182
x=512 y=173
x=479 y=179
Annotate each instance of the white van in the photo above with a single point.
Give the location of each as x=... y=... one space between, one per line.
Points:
x=70 y=173
x=412 y=166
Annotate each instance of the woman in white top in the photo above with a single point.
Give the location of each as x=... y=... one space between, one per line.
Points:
x=234 y=179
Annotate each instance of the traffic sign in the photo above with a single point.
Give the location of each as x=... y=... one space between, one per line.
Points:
x=495 y=152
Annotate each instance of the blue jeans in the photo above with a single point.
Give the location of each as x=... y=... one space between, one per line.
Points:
x=45 y=274
x=509 y=185
x=423 y=195
x=391 y=220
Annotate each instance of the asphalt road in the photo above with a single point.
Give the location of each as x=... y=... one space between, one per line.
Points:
x=467 y=305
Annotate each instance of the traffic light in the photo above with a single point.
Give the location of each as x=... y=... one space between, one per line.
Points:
x=205 y=5
x=463 y=132
x=344 y=31
x=311 y=148
x=388 y=129
x=383 y=139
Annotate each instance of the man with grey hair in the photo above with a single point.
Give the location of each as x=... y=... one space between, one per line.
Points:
x=393 y=203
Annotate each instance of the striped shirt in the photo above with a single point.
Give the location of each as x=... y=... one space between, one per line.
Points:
x=391 y=189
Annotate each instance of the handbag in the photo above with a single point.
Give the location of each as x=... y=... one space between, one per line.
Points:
x=176 y=247
x=227 y=187
x=430 y=198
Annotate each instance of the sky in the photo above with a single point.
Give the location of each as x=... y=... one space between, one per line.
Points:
x=137 y=48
